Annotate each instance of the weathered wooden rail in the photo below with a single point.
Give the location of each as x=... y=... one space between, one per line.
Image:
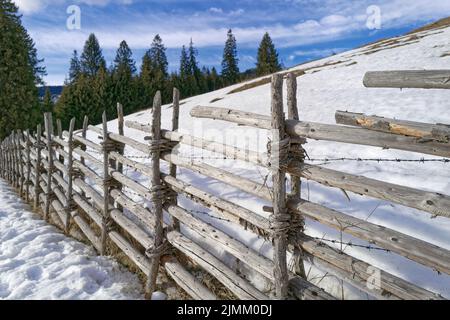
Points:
x=80 y=185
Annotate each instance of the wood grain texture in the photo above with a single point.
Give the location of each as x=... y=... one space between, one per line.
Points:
x=420 y=79
x=328 y=132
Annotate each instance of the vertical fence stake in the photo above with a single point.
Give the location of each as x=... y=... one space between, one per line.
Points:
x=14 y=160
x=1 y=158
x=120 y=127
x=279 y=188
x=69 y=194
x=8 y=142
x=175 y=126
x=299 y=153
x=156 y=194
x=83 y=147
x=38 y=166
x=60 y=136
x=8 y=159
x=21 y=162
x=106 y=186
x=28 y=152
x=50 y=169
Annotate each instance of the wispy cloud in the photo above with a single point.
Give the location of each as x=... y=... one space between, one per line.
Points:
x=29 y=7
x=297 y=27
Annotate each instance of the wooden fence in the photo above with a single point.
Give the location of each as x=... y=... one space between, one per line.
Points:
x=68 y=183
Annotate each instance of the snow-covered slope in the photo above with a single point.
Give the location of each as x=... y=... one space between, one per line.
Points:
x=331 y=84
x=39 y=262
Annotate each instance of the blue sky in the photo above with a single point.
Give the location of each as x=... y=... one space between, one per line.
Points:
x=301 y=29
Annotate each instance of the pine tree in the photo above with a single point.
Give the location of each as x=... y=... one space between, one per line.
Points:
x=154 y=74
x=124 y=59
x=103 y=96
x=123 y=81
x=230 y=69
x=197 y=85
x=186 y=75
x=75 y=67
x=213 y=79
x=47 y=104
x=76 y=101
x=92 y=57
x=267 y=61
x=20 y=72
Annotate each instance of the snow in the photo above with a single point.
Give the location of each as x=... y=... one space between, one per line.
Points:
x=330 y=84
x=39 y=262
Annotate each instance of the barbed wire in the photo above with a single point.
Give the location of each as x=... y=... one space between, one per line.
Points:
x=192 y=211
x=319 y=159
x=209 y=215
x=350 y=244
x=422 y=160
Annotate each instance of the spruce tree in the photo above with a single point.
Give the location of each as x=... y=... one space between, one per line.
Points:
x=124 y=59
x=196 y=82
x=267 y=61
x=187 y=82
x=47 y=104
x=123 y=82
x=75 y=67
x=92 y=57
x=154 y=72
x=20 y=72
x=103 y=97
x=214 y=81
x=76 y=101
x=230 y=69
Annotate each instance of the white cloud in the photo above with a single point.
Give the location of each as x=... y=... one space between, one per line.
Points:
x=29 y=7
x=215 y=10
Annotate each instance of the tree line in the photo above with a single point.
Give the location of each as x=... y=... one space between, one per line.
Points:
x=93 y=87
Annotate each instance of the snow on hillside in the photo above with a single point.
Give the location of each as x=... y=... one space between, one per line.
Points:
x=331 y=84
x=39 y=262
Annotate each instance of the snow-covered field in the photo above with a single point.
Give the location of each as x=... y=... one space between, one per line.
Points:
x=39 y=262
x=332 y=84
x=36 y=261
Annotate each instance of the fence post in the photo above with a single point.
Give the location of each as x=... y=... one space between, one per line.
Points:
x=21 y=162
x=106 y=186
x=14 y=160
x=60 y=136
x=10 y=168
x=69 y=194
x=38 y=166
x=28 y=152
x=11 y=160
x=173 y=167
x=83 y=147
x=278 y=158
x=155 y=253
x=298 y=153
x=1 y=158
x=50 y=169
x=120 y=127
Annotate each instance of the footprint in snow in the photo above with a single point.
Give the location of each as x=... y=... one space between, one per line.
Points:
x=34 y=273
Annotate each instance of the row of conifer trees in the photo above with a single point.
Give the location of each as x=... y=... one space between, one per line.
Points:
x=93 y=87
